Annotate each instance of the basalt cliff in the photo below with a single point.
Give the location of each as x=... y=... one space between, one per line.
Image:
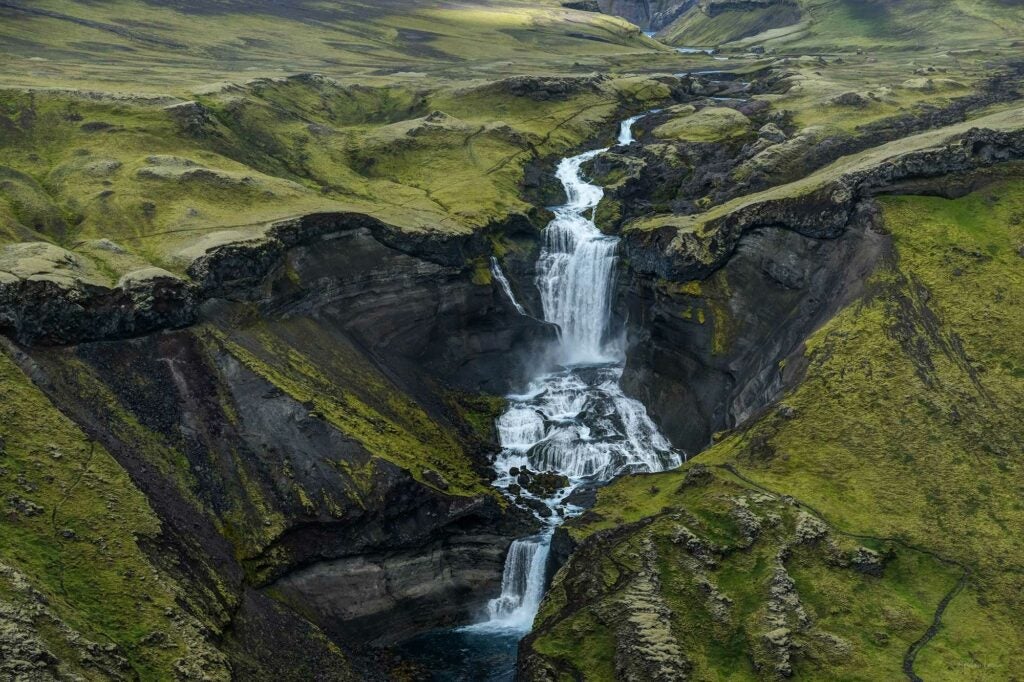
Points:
x=255 y=335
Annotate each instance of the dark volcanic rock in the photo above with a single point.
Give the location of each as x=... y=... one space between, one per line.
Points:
x=278 y=520
x=543 y=88
x=583 y=5
x=647 y=14
x=55 y=311
x=702 y=372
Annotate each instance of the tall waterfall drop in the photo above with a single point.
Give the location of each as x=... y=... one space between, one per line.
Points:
x=574 y=421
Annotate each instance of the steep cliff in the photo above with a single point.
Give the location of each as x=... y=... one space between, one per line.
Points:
x=312 y=447
x=651 y=15
x=794 y=545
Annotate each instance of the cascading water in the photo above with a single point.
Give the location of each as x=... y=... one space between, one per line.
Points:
x=505 y=286
x=574 y=421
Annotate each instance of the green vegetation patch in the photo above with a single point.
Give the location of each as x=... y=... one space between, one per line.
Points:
x=902 y=440
x=349 y=392
x=72 y=524
x=711 y=124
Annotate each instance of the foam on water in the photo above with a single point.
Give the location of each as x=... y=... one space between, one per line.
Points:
x=575 y=421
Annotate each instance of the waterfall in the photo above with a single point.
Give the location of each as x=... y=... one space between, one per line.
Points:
x=574 y=421
x=522 y=583
x=505 y=286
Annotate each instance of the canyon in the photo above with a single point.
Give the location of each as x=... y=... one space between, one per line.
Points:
x=504 y=341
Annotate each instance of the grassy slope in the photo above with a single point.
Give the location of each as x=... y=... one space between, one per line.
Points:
x=282 y=147
x=88 y=160
x=80 y=166
x=161 y=47
x=906 y=427
x=842 y=25
x=73 y=523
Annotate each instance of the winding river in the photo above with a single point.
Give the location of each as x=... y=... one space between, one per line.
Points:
x=573 y=420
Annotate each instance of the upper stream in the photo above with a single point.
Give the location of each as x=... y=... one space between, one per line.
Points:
x=573 y=420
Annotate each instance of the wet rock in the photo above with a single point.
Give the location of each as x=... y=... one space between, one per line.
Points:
x=538 y=507
x=547 y=484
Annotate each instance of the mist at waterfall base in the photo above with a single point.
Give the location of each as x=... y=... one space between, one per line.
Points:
x=573 y=419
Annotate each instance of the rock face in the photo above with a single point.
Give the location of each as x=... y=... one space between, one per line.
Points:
x=705 y=358
x=314 y=425
x=712 y=349
x=650 y=15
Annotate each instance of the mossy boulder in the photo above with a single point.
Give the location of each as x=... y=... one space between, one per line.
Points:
x=711 y=124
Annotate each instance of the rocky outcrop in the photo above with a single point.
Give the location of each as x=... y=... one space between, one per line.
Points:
x=314 y=431
x=650 y=15
x=820 y=206
x=47 y=297
x=645 y=587
x=50 y=296
x=708 y=355
x=660 y=176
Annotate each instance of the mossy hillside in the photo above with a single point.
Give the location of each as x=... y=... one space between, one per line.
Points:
x=710 y=124
x=352 y=394
x=695 y=28
x=74 y=523
x=122 y=172
x=703 y=226
x=129 y=171
x=848 y=92
x=158 y=47
x=251 y=497
x=905 y=429
x=716 y=548
x=846 y=25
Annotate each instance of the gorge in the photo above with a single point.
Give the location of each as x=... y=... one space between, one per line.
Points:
x=511 y=339
x=573 y=424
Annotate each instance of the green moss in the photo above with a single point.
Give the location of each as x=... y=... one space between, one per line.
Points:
x=584 y=642
x=350 y=393
x=482 y=273
x=711 y=124
x=80 y=546
x=901 y=439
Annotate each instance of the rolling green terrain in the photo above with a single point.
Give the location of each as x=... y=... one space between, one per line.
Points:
x=172 y=496
x=884 y=484
x=846 y=25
